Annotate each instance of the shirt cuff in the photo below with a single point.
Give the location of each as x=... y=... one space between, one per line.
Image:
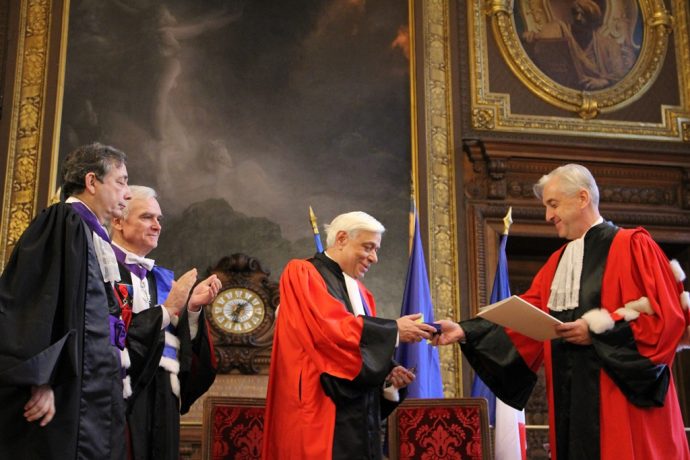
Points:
x=166 y=317
x=193 y=317
x=391 y=394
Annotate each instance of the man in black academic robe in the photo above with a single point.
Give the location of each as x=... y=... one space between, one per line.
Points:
x=60 y=386
x=171 y=357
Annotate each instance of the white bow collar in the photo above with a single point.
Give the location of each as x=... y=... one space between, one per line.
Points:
x=142 y=261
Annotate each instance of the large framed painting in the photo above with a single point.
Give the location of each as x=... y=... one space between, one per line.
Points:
x=603 y=67
x=243 y=114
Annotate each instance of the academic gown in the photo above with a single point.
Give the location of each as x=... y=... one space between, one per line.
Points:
x=328 y=368
x=54 y=329
x=153 y=410
x=612 y=399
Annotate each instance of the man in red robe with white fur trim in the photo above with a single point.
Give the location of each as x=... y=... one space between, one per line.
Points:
x=609 y=385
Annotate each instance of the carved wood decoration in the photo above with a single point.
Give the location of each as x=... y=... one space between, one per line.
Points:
x=250 y=352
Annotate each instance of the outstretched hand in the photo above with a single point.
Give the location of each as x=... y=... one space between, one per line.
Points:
x=451 y=332
x=411 y=330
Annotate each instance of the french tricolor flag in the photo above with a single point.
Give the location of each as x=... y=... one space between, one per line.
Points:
x=509 y=423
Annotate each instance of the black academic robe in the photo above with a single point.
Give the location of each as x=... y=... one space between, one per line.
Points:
x=153 y=410
x=54 y=329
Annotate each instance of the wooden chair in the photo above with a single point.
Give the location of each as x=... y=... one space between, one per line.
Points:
x=233 y=428
x=440 y=428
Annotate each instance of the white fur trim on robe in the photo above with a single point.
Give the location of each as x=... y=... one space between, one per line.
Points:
x=124 y=358
x=627 y=314
x=678 y=272
x=685 y=300
x=634 y=308
x=598 y=320
x=126 y=387
x=172 y=365
x=641 y=305
x=125 y=362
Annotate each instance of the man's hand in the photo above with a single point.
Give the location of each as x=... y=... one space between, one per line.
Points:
x=451 y=332
x=400 y=377
x=411 y=330
x=41 y=405
x=204 y=293
x=177 y=299
x=576 y=332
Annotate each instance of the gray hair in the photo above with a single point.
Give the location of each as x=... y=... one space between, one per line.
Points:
x=574 y=178
x=352 y=223
x=138 y=192
x=93 y=158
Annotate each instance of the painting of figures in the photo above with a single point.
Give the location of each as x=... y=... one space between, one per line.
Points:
x=242 y=114
x=581 y=44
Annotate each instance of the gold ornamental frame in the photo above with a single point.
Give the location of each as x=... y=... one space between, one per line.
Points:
x=492 y=111
x=32 y=117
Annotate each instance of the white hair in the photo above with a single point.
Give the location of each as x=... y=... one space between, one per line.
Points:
x=138 y=192
x=352 y=223
x=574 y=178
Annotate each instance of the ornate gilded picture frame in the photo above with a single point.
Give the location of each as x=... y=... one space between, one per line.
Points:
x=591 y=60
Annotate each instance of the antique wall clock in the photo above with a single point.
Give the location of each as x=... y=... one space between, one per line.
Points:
x=238 y=310
x=242 y=315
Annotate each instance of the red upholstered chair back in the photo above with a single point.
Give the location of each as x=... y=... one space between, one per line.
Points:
x=440 y=428
x=233 y=428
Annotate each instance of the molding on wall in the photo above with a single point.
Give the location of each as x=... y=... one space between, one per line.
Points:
x=27 y=107
x=440 y=181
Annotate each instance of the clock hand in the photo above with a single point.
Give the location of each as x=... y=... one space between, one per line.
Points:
x=234 y=316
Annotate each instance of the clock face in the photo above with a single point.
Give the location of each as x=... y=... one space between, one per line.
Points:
x=238 y=310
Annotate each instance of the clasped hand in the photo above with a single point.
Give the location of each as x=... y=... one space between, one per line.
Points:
x=410 y=329
x=203 y=293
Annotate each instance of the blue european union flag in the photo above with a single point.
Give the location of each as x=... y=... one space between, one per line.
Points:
x=417 y=299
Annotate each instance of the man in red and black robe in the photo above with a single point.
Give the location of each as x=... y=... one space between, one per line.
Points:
x=609 y=386
x=332 y=376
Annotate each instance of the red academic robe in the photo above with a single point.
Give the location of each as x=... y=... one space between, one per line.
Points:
x=636 y=268
x=634 y=395
x=315 y=334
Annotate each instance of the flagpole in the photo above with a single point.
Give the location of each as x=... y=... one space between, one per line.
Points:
x=315 y=229
x=507 y=221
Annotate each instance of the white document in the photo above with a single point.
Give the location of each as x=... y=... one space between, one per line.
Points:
x=522 y=317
